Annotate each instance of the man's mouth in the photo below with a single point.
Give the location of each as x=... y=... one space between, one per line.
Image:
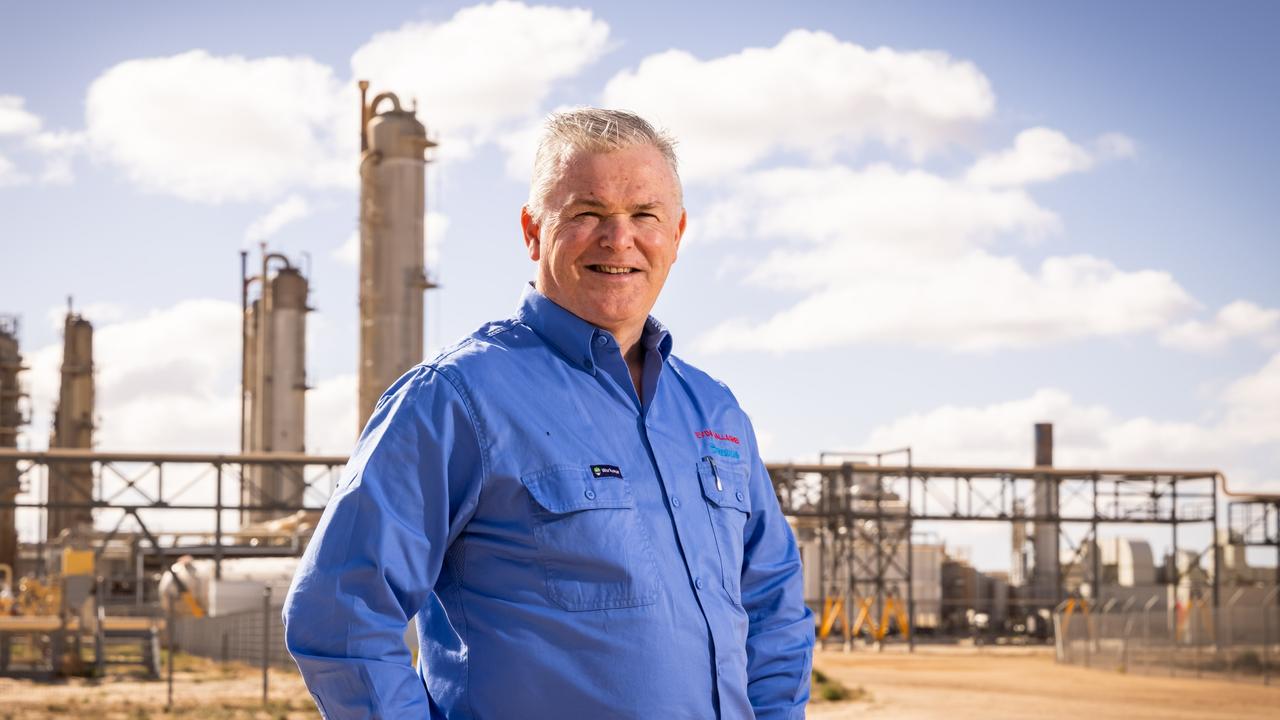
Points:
x=611 y=269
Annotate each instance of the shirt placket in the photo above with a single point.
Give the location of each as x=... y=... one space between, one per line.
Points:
x=689 y=518
x=685 y=506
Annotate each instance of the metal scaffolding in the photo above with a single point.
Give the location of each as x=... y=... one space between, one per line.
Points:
x=130 y=492
x=1254 y=521
x=864 y=514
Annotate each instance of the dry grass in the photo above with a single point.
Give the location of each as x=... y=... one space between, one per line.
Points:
x=201 y=689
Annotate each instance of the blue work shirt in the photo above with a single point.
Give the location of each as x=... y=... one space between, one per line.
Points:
x=571 y=549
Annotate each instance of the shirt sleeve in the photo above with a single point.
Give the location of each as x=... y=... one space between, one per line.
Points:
x=780 y=631
x=409 y=488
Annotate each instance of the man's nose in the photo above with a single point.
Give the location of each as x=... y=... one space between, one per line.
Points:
x=616 y=232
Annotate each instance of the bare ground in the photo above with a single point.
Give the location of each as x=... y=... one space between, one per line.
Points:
x=958 y=683
x=936 y=683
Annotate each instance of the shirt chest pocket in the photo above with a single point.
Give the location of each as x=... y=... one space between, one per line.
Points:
x=592 y=544
x=728 y=506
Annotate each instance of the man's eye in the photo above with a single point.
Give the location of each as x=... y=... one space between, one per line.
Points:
x=587 y=214
x=646 y=216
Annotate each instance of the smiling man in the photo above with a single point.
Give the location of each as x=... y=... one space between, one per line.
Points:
x=579 y=520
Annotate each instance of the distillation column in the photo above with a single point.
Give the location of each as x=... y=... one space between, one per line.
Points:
x=73 y=429
x=275 y=385
x=11 y=418
x=392 y=270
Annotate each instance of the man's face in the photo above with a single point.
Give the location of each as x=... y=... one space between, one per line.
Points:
x=609 y=236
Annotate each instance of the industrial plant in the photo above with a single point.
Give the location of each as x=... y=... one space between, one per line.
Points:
x=103 y=579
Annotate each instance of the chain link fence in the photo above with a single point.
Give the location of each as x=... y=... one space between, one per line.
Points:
x=1236 y=641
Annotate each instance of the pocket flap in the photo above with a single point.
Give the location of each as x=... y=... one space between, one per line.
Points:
x=731 y=491
x=570 y=488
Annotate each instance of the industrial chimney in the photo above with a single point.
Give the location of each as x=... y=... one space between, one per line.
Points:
x=392 y=273
x=274 y=382
x=11 y=418
x=73 y=429
x=1045 y=580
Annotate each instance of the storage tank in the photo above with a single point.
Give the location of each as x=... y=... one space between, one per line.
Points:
x=11 y=418
x=73 y=429
x=392 y=271
x=275 y=385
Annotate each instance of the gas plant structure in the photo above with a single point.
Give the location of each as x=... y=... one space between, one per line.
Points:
x=116 y=544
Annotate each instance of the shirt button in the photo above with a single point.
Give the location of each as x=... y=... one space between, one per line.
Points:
x=601 y=341
x=591 y=494
x=739 y=497
x=697 y=583
x=675 y=501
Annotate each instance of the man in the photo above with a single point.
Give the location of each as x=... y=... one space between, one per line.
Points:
x=579 y=520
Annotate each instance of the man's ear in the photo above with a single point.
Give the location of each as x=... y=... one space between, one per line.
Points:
x=532 y=233
x=684 y=219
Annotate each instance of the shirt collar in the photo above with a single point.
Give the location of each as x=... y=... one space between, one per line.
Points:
x=572 y=335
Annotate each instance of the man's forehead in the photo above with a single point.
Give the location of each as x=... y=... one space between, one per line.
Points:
x=590 y=199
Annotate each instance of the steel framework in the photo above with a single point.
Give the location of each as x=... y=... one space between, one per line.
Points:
x=865 y=514
x=1255 y=522
x=138 y=488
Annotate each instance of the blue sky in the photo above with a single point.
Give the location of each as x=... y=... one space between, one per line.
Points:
x=925 y=224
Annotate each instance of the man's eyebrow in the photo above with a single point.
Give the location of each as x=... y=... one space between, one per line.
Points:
x=596 y=203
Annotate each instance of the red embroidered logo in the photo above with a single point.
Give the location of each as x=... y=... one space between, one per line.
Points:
x=700 y=434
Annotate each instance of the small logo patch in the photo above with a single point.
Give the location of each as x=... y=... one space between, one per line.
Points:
x=606 y=471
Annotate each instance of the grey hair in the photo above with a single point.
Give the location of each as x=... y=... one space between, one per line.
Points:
x=595 y=130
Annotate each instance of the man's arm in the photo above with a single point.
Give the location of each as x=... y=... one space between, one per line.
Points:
x=409 y=488
x=780 y=634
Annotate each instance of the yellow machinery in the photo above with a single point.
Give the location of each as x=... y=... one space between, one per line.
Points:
x=833 y=610
x=6 y=590
x=51 y=618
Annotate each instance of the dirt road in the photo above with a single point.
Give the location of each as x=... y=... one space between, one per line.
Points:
x=1025 y=683
x=934 y=684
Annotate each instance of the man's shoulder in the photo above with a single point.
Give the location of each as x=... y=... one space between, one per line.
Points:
x=702 y=383
x=493 y=347
x=483 y=345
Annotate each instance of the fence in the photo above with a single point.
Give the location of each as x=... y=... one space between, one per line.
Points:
x=241 y=637
x=1236 y=641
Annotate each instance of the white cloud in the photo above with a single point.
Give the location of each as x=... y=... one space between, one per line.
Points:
x=348 y=252
x=209 y=128
x=1240 y=319
x=900 y=256
x=810 y=93
x=1042 y=154
x=227 y=128
x=437 y=224
x=1245 y=423
x=15 y=119
x=486 y=66
x=1253 y=406
x=10 y=175
x=291 y=209
x=331 y=416
x=1038 y=154
x=521 y=147
x=57 y=147
x=165 y=381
